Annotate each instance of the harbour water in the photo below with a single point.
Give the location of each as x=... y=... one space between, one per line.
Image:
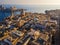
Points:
x=30 y=8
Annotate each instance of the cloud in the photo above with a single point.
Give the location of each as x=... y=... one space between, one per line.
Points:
x=31 y=2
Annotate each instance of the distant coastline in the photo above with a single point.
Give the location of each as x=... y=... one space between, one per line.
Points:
x=34 y=8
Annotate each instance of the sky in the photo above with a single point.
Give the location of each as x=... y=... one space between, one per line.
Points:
x=31 y=2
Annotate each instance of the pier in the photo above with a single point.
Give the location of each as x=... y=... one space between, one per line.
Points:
x=12 y=10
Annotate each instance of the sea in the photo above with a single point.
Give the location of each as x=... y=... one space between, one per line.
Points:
x=29 y=8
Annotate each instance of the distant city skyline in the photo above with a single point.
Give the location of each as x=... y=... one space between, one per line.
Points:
x=31 y=2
